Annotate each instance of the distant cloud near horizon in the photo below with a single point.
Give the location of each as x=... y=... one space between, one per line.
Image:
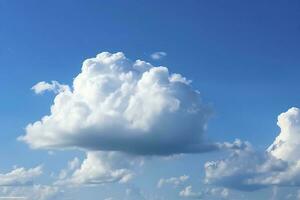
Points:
x=188 y=193
x=20 y=176
x=35 y=192
x=115 y=104
x=247 y=169
x=176 y=181
x=158 y=55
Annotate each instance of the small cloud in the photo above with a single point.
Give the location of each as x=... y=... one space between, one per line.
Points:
x=189 y=193
x=54 y=86
x=96 y=169
x=176 y=181
x=20 y=176
x=158 y=55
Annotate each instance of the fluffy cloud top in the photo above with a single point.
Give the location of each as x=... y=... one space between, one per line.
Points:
x=97 y=168
x=287 y=144
x=119 y=105
x=20 y=176
x=279 y=165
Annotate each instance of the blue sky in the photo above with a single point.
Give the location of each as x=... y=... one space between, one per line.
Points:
x=243 y=57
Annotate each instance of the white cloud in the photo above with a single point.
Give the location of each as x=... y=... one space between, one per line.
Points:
x=54 y=86
x=158 y=55
x=35 y=192
x=279 y=165
x=20 y=176
x=176 y=181
x=98 y=168
x=216 y=192
x=219 y=192
x=72 y=165
x=287 y=144
x=188 y=193
x=119 y=105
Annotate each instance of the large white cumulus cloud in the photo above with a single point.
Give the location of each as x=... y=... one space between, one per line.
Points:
x=279 y=165
x=119 y=105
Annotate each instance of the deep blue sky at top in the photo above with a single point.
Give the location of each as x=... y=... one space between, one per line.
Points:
x=243 y=56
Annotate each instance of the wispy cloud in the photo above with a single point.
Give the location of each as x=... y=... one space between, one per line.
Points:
x=158 y=55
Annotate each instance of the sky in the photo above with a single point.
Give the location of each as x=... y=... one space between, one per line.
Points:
x=153 y=100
